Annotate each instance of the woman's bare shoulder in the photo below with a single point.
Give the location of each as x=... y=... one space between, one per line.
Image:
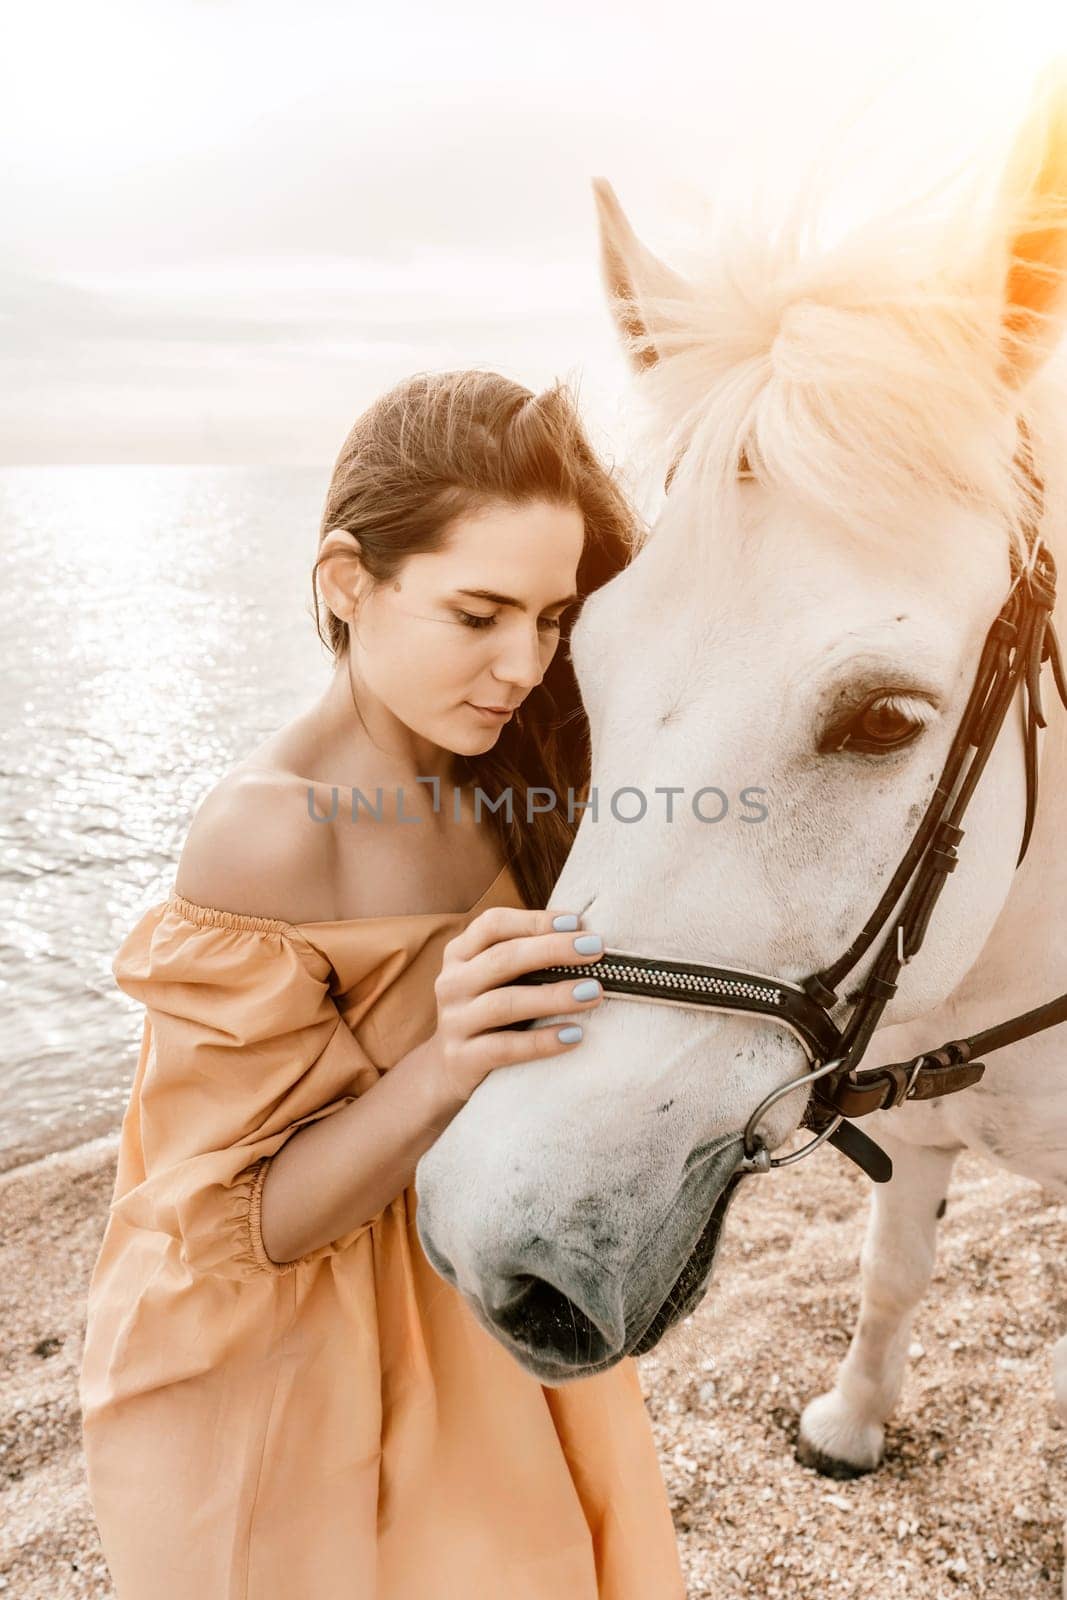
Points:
x=254 y=847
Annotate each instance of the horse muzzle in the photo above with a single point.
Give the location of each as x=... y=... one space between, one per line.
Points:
x=570 y=1297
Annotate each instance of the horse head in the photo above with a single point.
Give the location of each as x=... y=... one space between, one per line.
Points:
x=846 y=510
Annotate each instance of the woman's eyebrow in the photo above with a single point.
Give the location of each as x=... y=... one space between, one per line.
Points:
x=508 y=599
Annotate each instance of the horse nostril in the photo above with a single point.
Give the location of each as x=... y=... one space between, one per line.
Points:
x=538 y=1315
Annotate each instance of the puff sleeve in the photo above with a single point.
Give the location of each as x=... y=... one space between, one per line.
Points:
x=242 y=1045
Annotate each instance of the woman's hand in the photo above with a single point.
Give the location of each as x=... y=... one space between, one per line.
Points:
x=475 y=997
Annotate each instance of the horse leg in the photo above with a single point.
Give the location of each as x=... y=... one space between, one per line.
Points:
x=841 y=1432
x=1059 y=1389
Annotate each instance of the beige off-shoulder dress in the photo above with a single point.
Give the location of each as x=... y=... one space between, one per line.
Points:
x=338 y=1427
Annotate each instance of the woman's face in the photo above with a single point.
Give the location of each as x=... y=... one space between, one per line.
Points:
x=431 y=651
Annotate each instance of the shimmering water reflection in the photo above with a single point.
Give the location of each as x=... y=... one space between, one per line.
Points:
x=156 y=624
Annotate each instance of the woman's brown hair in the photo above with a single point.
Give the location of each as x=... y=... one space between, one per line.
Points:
x=439 y=446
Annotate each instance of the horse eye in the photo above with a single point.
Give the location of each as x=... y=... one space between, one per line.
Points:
x=884 y=724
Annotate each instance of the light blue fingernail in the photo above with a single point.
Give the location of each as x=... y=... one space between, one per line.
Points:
x=587 y=990
x=565 y=923
x=589 y=944
x=569 y=1035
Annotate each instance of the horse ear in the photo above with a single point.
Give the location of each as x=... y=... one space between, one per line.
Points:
x=1035 y=194
x=636 y=281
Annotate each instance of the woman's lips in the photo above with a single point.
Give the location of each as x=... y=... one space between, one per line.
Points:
x=486 y=711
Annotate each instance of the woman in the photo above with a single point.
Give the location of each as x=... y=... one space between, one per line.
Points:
x=281 y=1400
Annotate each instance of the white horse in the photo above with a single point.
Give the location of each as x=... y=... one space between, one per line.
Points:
x=810 y=625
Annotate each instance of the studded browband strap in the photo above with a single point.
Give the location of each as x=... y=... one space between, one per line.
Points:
x=685 y=983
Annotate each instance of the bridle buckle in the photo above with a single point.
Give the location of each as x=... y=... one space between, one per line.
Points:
x=905 y=1094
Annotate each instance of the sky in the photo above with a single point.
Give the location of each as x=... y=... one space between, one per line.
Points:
x=226 y=225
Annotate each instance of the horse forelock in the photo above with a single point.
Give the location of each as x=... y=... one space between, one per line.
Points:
x=864 y=378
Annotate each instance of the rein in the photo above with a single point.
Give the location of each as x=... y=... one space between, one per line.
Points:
x=1019 y=642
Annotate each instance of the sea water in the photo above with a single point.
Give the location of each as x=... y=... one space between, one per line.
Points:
x=157 y=624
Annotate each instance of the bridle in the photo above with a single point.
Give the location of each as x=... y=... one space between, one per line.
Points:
x=1019 y=642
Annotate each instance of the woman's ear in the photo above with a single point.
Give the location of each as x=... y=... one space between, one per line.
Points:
x=1034 y=204
x=342 y=575
x=640 y=288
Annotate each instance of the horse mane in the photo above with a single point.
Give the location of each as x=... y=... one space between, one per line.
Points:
x=862 y=375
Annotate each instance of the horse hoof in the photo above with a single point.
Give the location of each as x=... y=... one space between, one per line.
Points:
x=827 y=1466
x=835 y=1444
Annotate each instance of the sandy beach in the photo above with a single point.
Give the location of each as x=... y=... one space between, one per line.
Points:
x=970 y=1501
